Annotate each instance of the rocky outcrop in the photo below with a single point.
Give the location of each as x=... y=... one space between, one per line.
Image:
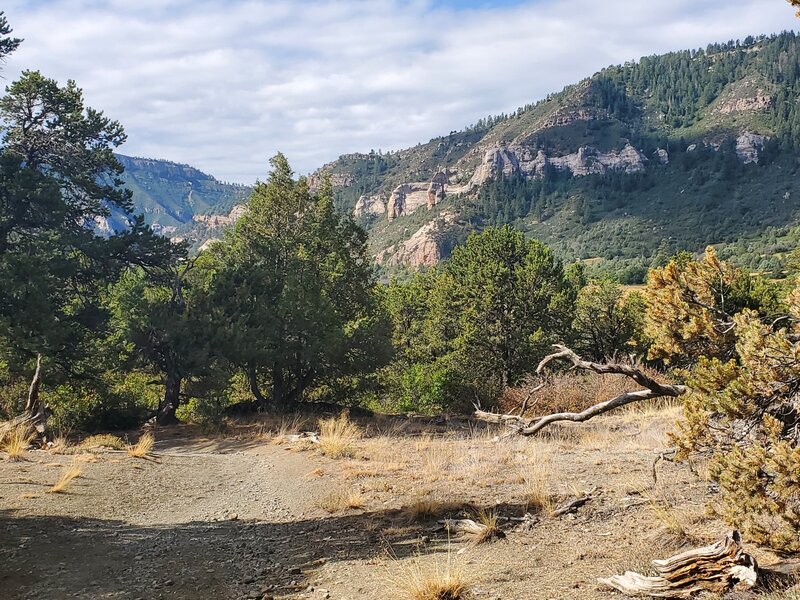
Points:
x=421 y=249
x=217 y=221
x=661 y=156
x=369 y=205
x=748 y=146
x=340 y=180
x=531 y=162
x=408 y=197
x=496 y=161
x=437 y=189
x=565 y=117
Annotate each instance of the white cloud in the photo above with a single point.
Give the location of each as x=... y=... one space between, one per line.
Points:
x=224 y=85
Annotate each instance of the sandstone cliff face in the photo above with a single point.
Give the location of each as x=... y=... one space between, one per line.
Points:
x=421 y=249
x=217 y=221
x=340 y=180
x=369 y=205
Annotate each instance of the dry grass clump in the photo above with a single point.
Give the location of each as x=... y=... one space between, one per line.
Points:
x=16 y=440
x=71 y=473
x=437 y=583
x=572 y=392
x=59 y=445
x=491 y=527
x=675 y=532
x=143 y=447
x=288 y=425
x=103 y=440
x=338 y=436
x=536 y=490
x=340 y=500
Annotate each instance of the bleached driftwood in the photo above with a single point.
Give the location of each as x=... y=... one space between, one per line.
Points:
x=571 y=506
x=654 y=389
x=472 y=530
x=305 y=436
x=717 y=568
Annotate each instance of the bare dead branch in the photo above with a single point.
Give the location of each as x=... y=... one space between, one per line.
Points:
x=654 y=390
x=717 y=568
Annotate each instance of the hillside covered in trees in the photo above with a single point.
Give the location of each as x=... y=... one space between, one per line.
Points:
x=621 y=170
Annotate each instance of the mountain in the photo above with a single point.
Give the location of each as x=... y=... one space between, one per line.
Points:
x=620 y=170
x=180 y=201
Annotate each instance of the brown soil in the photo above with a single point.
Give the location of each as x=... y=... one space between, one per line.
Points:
x=240 y=517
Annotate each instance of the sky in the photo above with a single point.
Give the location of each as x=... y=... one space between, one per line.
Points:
x=223 y=85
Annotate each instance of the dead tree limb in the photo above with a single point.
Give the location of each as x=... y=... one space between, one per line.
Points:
x=717 y=568
x=654 y=390
x=36 y=412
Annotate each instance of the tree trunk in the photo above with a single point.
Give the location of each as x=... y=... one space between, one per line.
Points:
x=171 y=401
x=252 y=378
x=35 y=408
x=36 y=411
x=278 y=387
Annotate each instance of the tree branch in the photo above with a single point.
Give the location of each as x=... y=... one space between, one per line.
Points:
x=654 y=390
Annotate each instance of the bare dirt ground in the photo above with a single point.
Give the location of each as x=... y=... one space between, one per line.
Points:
x=250 y=515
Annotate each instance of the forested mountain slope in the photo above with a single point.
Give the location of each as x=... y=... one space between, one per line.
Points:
x=179 y=200
x=622 y=169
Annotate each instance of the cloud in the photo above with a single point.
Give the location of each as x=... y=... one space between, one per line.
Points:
x=223 y=85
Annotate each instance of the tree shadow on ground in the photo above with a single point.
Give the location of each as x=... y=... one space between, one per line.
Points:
x=61 y=557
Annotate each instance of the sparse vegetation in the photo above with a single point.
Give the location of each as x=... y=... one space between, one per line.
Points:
x=433 y=583
x=16 y=440
x=338 y=436
x=104 y=440
x=143 y=446
x=67 y=477
x=340 y=500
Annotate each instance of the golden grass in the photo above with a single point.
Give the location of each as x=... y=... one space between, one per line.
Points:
x=415 y=582
x=338 y=436
x=16 y=441
x=341 y=500
x=288 y=426
x=103 y=440
x=491 y=531
x=143 y=447
x=536 y=491
x=59 y=445
x=71 y=473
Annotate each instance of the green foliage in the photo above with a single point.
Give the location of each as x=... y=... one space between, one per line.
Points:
x=480 y=322
x=293 y=290
x=157 y=322
x=691 y=304
x=607 y=322
x=113 y=402
x=743 y=412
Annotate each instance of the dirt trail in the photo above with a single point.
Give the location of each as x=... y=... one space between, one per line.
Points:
x=232 y=519
x=193 y=523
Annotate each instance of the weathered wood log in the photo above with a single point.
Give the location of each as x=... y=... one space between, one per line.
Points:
x=36 y=413
x=472 y=530
x=717 y=568
x=531 y=427
x=305 y=436
x=570 y=506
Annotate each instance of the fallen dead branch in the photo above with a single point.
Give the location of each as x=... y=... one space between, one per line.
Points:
x=718 y=568
x=571 y=506
x=654 y=389
x=472 y=530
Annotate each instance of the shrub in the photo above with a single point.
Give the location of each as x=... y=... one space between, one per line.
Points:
x=115 y=402
x=744 y=413
x=338 y=436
